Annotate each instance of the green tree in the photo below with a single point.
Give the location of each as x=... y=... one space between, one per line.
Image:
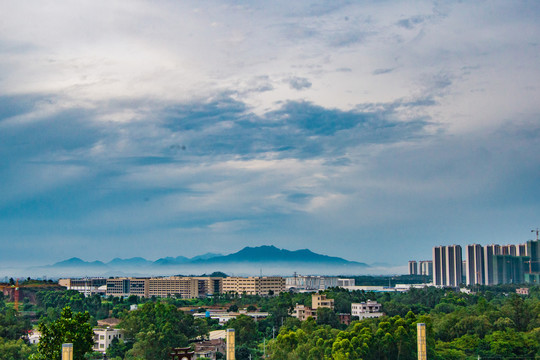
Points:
x=69 y=328
x=326 y=316
x=155 y=328
x=14 y=349
x=13 y=327
x=118 y=348
x=245 y=329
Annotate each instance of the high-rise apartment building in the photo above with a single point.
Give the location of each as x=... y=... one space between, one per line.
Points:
x=487 y=265
x=508 y=269
x=533 y=251
x=413 y=268
x=447 y=265
x=426 y=267
x=489 y=253
x=439 y=265
x=509 y=250
x=474 y=273
x=522 y=250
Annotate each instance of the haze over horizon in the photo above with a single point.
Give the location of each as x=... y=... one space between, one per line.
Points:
x=370 y=131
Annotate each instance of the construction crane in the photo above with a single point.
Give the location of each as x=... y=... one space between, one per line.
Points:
x=16 y=297
x=16 y=291
x=15 y=288
x=530 y=264
x=536 y=231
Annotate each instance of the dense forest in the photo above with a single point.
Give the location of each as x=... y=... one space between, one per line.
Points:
x=489 y=322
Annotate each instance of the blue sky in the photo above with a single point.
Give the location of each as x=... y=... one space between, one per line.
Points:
x=370 y=130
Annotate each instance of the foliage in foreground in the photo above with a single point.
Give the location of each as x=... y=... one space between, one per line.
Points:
x=69 y=328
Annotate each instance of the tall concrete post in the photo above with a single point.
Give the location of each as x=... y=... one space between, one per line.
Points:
x=422 y=348
x=230 y=344
x=67 y=351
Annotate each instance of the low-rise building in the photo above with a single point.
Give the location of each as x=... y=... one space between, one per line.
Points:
x=302 y=312
x=127 y=287
x=86 y=286
x=208 y=349
x=320 y=301
x=254 y=285
x=315 y=282
x=223 y=315
x=344 y=318
x=522 y=291
x=368 y=309
x=33 y=337
x=184 y=287
x=104 y=337
x=345 y=282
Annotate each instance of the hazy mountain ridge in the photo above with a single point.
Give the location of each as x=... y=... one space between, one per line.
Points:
x=249 y=260
x=259 y=254
x=270 y=253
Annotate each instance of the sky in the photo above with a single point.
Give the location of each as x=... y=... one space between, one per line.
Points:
x=369 y=130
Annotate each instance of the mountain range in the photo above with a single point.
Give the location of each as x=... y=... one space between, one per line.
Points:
x=249 y=260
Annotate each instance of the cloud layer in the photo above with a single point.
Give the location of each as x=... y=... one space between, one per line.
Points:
x=369 y=131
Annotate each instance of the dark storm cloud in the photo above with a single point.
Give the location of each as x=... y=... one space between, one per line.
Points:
x=224 y=127
x=35 y=138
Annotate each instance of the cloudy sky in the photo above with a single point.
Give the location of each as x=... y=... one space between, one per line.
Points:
x=370 y=130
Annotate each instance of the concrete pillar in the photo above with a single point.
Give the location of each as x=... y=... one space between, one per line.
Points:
x=422 y=348
x=230 y=344
x=67 y=351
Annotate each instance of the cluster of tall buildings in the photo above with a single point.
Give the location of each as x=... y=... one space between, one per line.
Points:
x=185 y=287
x=423 y=267
x=484 y=265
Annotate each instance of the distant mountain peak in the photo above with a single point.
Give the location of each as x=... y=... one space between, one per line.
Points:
x=250 y=257
x=270 y=253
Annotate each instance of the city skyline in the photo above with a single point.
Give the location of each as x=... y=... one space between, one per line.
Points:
x=369 y=131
